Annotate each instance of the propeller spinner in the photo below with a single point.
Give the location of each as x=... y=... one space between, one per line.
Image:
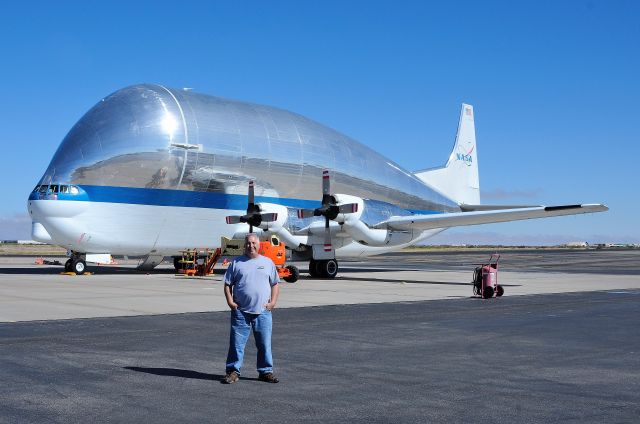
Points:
x=329 y=209
x=253 y=217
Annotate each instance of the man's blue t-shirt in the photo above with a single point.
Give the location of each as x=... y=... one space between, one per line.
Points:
x=251 y=280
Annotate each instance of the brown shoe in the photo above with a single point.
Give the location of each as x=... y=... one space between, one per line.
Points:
x=268 y=377
x=231 y=377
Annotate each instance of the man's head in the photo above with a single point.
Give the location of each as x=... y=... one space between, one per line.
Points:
x=251 y=246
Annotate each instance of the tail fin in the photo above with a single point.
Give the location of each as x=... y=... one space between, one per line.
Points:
x=458 y=179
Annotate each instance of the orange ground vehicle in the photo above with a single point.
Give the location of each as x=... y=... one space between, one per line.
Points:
x=274 y=249
x=198 y=262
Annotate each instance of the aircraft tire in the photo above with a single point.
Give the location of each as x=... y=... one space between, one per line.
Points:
x=328 y=269
x=295 y=274
x=78 y=266
x=313 y=268
x=499 y=291
x=67 y=265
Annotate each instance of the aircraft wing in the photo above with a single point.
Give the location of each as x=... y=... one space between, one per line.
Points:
x=446 y=220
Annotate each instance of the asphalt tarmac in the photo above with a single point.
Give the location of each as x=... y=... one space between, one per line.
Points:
x=570 y=356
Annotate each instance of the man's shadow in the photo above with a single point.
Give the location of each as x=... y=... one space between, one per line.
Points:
x=176 y=372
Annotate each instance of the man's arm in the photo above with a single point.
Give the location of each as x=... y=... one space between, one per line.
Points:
x=275 y=291
x=228 y=293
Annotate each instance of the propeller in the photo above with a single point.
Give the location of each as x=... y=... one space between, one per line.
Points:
x=253 y=217
x=329 y=209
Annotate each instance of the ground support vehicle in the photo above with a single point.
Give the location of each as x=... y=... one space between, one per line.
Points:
x=272 y=248
x=197 y=262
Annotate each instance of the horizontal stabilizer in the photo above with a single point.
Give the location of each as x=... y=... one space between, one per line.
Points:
x=457 y=219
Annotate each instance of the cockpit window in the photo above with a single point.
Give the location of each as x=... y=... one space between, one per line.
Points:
x=53 y=188
x=64 y=189
x=43 y=188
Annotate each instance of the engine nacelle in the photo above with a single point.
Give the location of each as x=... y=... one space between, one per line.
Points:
x=344 y=199
x=277 y=226
x=363 y=234
x=273 y=208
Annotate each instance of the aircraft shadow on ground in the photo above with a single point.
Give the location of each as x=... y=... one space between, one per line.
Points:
x=177 y=372
x=355 y=269
x=111 y=270
x=444 y=283
x=126 y=270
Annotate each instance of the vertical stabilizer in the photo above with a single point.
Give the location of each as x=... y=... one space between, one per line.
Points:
x=458 y=179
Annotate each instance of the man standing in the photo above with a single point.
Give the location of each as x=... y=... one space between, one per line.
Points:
x=251 y=289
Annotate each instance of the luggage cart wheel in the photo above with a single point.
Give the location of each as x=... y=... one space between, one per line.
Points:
x=488 y=292
x=499 y=291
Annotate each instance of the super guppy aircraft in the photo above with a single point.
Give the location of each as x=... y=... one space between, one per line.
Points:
x=151 y=171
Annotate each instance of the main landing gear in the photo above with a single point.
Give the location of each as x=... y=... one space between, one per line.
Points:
x=323 y=268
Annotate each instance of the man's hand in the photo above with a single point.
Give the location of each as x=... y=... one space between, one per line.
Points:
x=275 y=291
x=228 y=294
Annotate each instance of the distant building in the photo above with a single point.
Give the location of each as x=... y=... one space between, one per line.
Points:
x=577 y=244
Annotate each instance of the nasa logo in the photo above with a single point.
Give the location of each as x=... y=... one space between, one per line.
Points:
x=466 y=158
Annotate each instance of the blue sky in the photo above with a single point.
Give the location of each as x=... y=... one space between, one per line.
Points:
x=554 y=85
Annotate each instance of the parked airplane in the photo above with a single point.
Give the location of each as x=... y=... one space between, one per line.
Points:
x=151 y=171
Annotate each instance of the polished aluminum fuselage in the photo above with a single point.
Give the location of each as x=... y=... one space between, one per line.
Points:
x=151 y=146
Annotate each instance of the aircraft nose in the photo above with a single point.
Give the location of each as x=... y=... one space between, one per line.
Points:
x=42 y=209
x=39 y=233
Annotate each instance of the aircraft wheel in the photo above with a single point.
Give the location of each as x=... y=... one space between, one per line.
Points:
x=295 y=274
x=78 y=266
x=499 y=291
x=313 y=268
x=488 y=292
x=67 y=265
x=328 y=269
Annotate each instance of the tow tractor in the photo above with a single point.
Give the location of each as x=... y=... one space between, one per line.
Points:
x=485 y=279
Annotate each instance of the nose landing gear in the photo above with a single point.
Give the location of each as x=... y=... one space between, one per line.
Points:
x=75 y=264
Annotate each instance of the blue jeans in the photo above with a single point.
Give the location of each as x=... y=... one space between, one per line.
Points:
x=242 y=324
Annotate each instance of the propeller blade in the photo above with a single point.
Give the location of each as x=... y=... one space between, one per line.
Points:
x=253 y=217
x=235 y=219
x=348 y=208
x=326 y=184
x=269 y=217
x=306 y=213
x=251 y=197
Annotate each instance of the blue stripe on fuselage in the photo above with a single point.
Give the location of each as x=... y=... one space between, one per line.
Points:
x=179 y=198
